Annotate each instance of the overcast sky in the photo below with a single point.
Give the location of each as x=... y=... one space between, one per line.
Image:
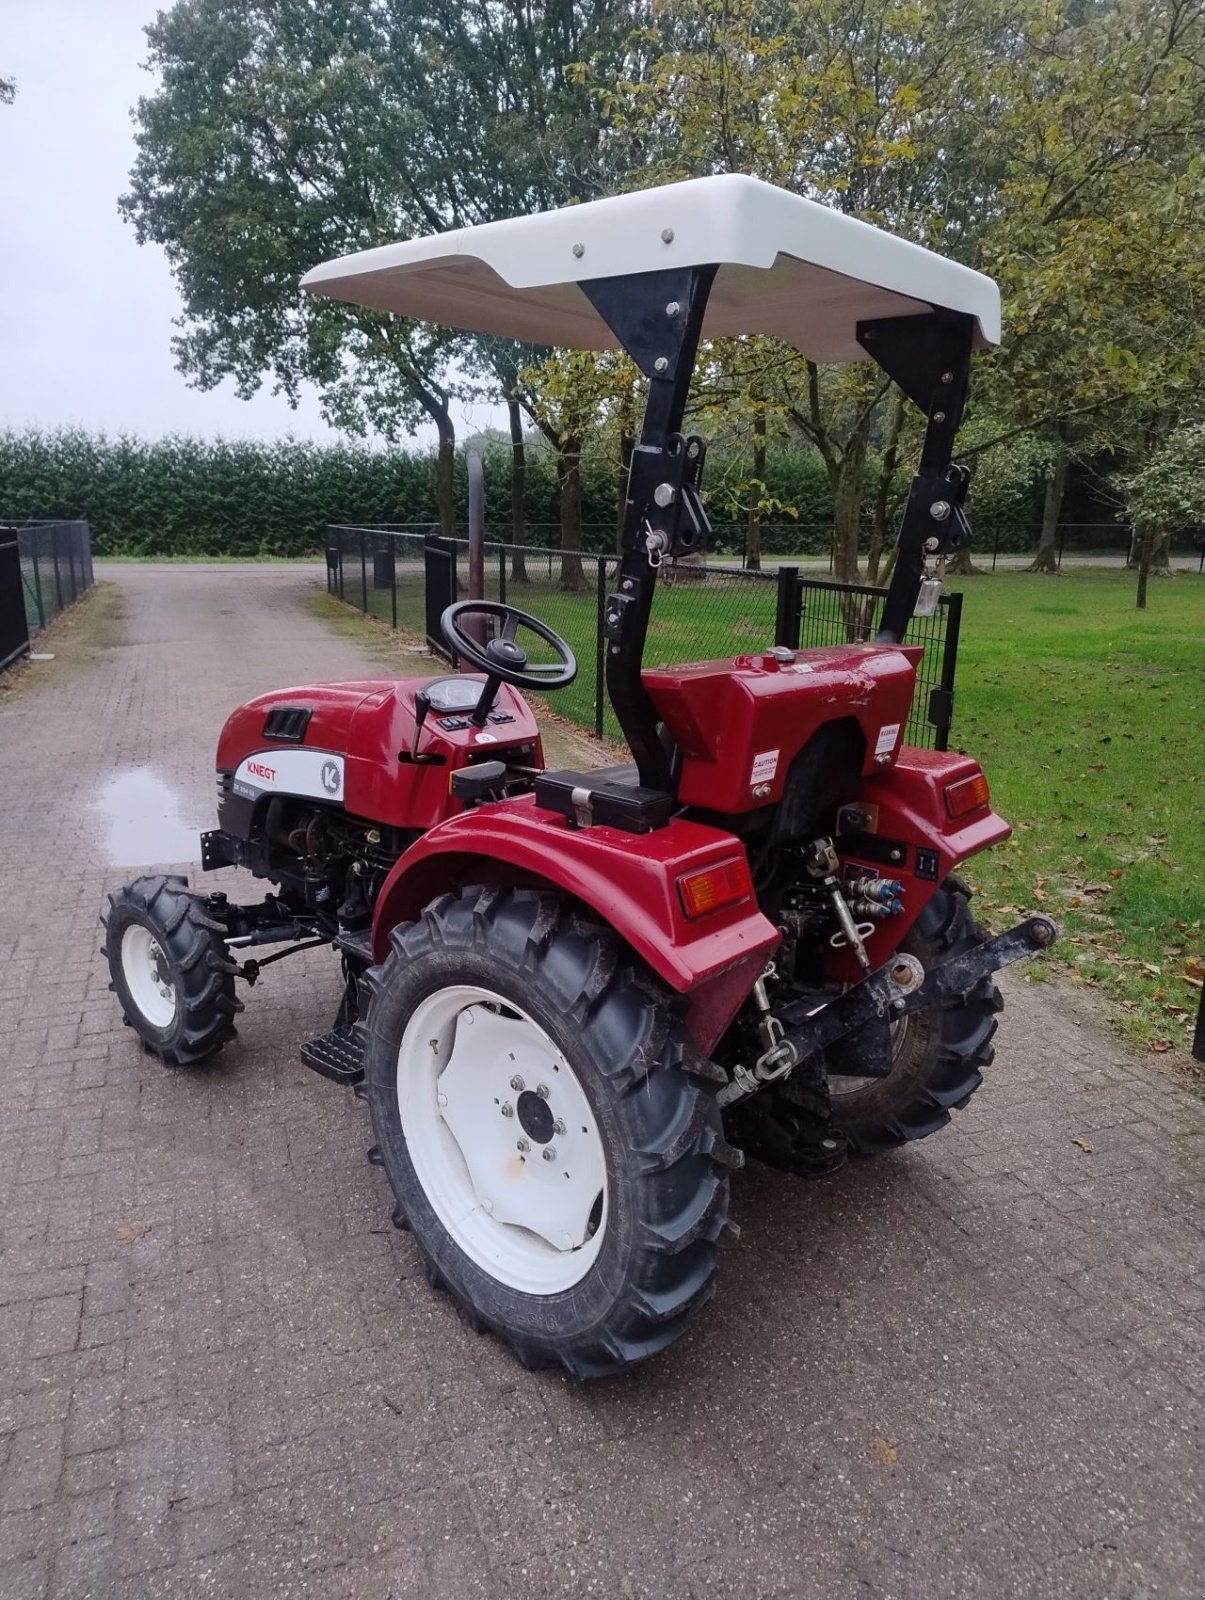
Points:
x=85 y=312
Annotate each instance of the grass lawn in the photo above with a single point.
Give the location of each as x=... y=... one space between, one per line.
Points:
x=1089 y=718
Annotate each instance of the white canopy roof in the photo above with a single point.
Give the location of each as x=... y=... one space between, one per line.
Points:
x=788 y=267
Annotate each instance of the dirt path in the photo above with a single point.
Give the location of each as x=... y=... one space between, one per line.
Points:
x=976 y=1367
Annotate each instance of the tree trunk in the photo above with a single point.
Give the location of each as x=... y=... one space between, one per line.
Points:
x=445 y=492
x=627 y=442
x=569 y=477
x=518 y=479
x=848 y=487
x=1161 y=554
x=1046 y=559
x=960 y=565
x=753 y=524
x=882 y=499
x=1145 y=540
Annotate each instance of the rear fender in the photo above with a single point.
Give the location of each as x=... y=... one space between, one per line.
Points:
x=628 y=880
x=907 y=803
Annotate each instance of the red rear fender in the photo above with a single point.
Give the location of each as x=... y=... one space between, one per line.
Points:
x=629 y=880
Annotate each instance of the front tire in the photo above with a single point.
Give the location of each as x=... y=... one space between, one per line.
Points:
x=170 y=970
x=550 y=1134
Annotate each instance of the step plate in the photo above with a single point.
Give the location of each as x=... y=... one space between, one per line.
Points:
x=337 y=1054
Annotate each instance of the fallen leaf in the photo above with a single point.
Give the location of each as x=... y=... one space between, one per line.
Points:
x=1161 y=1045
x=882 y=1452
x=1082 y=1144
x=128 y=1232
x=1194 y=967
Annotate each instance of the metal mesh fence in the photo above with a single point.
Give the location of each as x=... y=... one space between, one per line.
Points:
x=56 y=566
x=847 y=613
x=700 y=612
x=998 y=543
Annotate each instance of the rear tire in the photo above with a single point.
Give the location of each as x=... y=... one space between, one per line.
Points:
x=939 y=1059
x=620 y=1209
x=170 y=969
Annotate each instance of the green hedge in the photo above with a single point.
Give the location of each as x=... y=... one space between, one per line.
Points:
x=195 y=497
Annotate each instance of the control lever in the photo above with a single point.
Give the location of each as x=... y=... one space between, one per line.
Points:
x=422 y=704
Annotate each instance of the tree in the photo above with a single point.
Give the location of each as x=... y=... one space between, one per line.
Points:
x=8 y=90
x=288 y=131
x=271 y=145
x=1054 y=145
x=1095 y=242
x=867 y=105
x=1165 y=495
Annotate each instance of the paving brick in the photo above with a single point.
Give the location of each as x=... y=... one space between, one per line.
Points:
x=973 y=1368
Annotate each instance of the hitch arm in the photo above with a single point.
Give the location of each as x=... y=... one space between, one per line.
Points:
x=892 y=991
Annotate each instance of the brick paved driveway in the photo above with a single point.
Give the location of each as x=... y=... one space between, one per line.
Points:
x=972 y=1368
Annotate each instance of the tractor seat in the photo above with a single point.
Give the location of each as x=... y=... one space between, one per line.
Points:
x=606 y=797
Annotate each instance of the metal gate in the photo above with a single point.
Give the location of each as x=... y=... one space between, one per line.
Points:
x=439 y=570
x=813 y=612
x=14 y=628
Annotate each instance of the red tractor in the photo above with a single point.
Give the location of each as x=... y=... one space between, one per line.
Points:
x=571 y=999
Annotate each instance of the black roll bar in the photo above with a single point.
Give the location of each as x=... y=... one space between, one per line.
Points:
x=657 y=318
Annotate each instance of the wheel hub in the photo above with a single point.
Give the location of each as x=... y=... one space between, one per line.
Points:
x=148 y=975
x=535 y=1117
x=503 y=1139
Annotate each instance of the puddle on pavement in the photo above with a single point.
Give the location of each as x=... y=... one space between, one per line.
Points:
x=144 y=827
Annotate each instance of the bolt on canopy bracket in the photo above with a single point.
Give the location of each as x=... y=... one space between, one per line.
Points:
x=929 y=357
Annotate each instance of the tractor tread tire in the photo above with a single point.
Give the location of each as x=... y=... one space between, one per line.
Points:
x=204 y=974
x=636 y=1060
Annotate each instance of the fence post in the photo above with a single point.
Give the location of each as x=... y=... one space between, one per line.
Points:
x=37 y=580
x=58 y=575
x=600 y=646
x=995 y=545
x=949 y=664
x=364 y=572
x=787 y=610
x=393 y=580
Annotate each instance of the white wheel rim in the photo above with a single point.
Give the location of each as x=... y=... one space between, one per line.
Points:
x=142 y=962
x=516 y=1175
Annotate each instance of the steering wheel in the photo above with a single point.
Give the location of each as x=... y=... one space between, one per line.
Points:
x=501 y=657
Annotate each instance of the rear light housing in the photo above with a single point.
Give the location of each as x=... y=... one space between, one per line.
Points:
x=713 y=888
x=968 y=794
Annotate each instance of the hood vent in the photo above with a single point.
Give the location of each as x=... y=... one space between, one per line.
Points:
x=287 y=722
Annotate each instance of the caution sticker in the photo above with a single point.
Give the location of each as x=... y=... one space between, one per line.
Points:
x=765 y=765
x=885 y=743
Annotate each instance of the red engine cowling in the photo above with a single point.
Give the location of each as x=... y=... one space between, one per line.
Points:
x=349 y=744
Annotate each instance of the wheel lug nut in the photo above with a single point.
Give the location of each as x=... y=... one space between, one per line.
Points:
x=549 y=1153
x=441 y=1099
x=559 y=1127
x=508 y=1110
x=522 y=1145
x=543 y=1091
x=516 y=1082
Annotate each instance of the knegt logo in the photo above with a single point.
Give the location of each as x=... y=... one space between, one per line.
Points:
x=331 y=777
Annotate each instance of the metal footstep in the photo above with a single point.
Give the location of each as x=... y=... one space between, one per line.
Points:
x=337 y=1054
